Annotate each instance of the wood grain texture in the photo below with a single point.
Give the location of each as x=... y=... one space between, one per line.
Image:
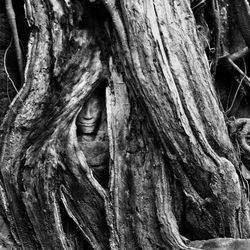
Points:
x=173 y=170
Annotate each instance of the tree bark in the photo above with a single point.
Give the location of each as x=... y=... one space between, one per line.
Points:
x=184 y=113
x=173 y=171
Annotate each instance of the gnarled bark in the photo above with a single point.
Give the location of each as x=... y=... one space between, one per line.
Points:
x=173 y=170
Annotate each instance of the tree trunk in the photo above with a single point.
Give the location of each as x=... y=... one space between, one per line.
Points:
x=173 y=171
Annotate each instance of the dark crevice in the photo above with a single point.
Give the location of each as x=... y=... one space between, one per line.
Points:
x=73 y=234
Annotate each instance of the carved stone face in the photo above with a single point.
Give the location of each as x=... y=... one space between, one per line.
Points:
x=89 y=116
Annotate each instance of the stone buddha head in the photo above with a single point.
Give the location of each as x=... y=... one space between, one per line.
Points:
x=90 y=115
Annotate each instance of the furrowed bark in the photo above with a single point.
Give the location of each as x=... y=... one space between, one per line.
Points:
x=172 y=166
x=13 y=137
x=141 y=215
x=172 y=81
x=37 y=194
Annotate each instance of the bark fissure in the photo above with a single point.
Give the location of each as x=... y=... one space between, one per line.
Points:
x=168 y=143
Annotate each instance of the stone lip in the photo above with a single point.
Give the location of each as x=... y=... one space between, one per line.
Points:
x=86 y=124
x=221 y=244
x=86 y=128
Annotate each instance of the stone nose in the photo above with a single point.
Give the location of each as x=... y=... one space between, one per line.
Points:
x=88 y=115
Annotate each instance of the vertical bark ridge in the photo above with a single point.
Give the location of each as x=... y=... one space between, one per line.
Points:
x=162 y=40
x=161 y=124
x=139 y=211
x=14 y=137
x=46 y=147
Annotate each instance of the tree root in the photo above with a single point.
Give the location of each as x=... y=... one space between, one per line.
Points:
x=239 y=54
x=239 y=129
x=243 y=135
x=12 y=21
x=5 y=66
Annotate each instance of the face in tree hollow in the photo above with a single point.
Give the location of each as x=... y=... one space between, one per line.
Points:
x=89 y=116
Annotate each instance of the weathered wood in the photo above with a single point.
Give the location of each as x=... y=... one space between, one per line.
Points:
x=222 y=244
x=169 y=74
x=173 y=169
